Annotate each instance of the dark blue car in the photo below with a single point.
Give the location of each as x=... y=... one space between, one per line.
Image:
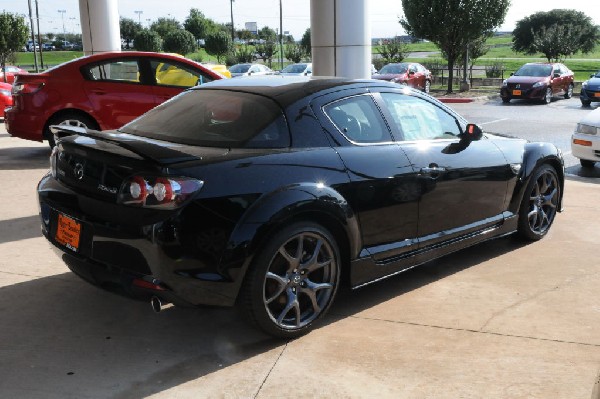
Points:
x=590 y=90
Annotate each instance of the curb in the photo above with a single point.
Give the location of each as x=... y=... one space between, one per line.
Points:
x=464 y=100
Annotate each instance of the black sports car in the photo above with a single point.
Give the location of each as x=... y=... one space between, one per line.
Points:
x=271 y=192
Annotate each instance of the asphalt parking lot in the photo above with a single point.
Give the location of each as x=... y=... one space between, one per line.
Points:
x=500 y=320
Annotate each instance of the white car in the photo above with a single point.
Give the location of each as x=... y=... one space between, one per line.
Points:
x=238 y=70
x=585 y=141
x=300 y=69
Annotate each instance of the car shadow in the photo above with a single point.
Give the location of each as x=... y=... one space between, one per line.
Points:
x=578 y=171
x=19 y=158
x=76 y=338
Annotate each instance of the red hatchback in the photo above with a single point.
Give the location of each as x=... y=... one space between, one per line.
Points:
x=408 y=73
x=101 y=91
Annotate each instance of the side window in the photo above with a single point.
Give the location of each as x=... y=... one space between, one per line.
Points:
x=358 y=119
x=412 y=69
x=418 y=119
x=174 y=74
x=115 y=70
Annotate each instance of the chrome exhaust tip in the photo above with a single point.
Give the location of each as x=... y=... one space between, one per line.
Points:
x=157 y=304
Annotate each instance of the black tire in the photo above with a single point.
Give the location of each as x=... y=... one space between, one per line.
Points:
x=539 y=203
x=569 y=92
x=586 y=163
x=586 y=103
x=547 y=96
x=505 y=100
x=71 y=119
x=293 y=280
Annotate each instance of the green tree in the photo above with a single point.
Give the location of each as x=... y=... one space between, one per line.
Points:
x=452 y=24
x=197 y=24
x=218 y=44
x=162 y=26
x=266 y=51
x=294 y=52
x=393 y=51
x=306 y=43
x=13 y=36
x=556 y=34
x=179 y=41
x=267 y=34
x=128 y=28
x=147 y=40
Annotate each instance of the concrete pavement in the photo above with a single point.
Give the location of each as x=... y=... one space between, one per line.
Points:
x=500 y=320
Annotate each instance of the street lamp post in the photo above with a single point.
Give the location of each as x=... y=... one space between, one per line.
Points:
x=232 y=28
x=62 y=14
x=139 y=13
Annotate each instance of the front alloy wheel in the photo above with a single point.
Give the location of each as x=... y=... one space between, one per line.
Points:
x=293 y=281
x=539 y=204
x=548 y=96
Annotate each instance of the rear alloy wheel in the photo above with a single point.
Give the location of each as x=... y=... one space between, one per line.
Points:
x=539 y=203
x=427 y=87
x=569 y=92
x=292 y=281
x=548 y=96
x=69 y=119
x=586 y=163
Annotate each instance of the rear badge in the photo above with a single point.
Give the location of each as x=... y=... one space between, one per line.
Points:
x=111 y=190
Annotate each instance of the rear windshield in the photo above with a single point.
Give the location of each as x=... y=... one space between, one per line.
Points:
x=215 y=118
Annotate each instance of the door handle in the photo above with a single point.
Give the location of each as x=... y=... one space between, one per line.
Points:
x=433 y=171
x=99 y=92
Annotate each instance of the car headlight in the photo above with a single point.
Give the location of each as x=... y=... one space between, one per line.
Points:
x=504 y=83
x=587 y=129
x=539 y=84
x=5 y=92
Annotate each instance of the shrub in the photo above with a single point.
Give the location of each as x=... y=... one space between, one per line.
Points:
x=180 y=42
x=494 y=70
x=243 y=54
x=147 y=40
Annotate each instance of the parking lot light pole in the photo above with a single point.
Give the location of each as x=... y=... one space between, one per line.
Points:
x=62 y=13
x=139 y=14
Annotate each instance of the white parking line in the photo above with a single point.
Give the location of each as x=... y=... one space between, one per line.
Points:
x=497 y=120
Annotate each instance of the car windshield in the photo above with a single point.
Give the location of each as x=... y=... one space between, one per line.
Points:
x=534 y=70
x=239 y=68
x=394 y=69
x=215 y=118
x=294 y=68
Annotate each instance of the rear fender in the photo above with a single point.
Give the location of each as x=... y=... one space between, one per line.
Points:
x=309 y=201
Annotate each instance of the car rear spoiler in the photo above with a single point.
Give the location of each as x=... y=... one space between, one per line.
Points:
x=161 y=154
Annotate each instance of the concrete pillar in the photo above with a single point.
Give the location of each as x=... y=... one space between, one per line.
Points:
x=100 y=26
x=341 y=38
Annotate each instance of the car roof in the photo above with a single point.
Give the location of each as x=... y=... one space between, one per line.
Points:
x=286 y=90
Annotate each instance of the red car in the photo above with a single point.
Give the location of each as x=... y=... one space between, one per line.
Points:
x=408 y=73
x=538 y=81
x=10 y=72
x=5 y=97
x=101 y=91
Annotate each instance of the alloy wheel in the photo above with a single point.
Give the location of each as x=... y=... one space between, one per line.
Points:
x=543 y=202
x=300 y=281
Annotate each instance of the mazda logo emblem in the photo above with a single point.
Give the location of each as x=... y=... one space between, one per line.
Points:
x=78 y=171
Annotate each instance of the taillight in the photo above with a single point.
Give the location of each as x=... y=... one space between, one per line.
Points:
x=32 y=87
x=158 y=192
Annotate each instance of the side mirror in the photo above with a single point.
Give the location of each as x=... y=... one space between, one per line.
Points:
x=472 y=132
x=556 y=75
x=592 y=75
x=512 y=73
x=410 y=73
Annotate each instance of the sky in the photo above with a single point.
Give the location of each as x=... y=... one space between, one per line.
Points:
x=384 y=14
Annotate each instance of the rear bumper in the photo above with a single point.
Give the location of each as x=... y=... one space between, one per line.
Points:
x=23 y=125
x=116 y=256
